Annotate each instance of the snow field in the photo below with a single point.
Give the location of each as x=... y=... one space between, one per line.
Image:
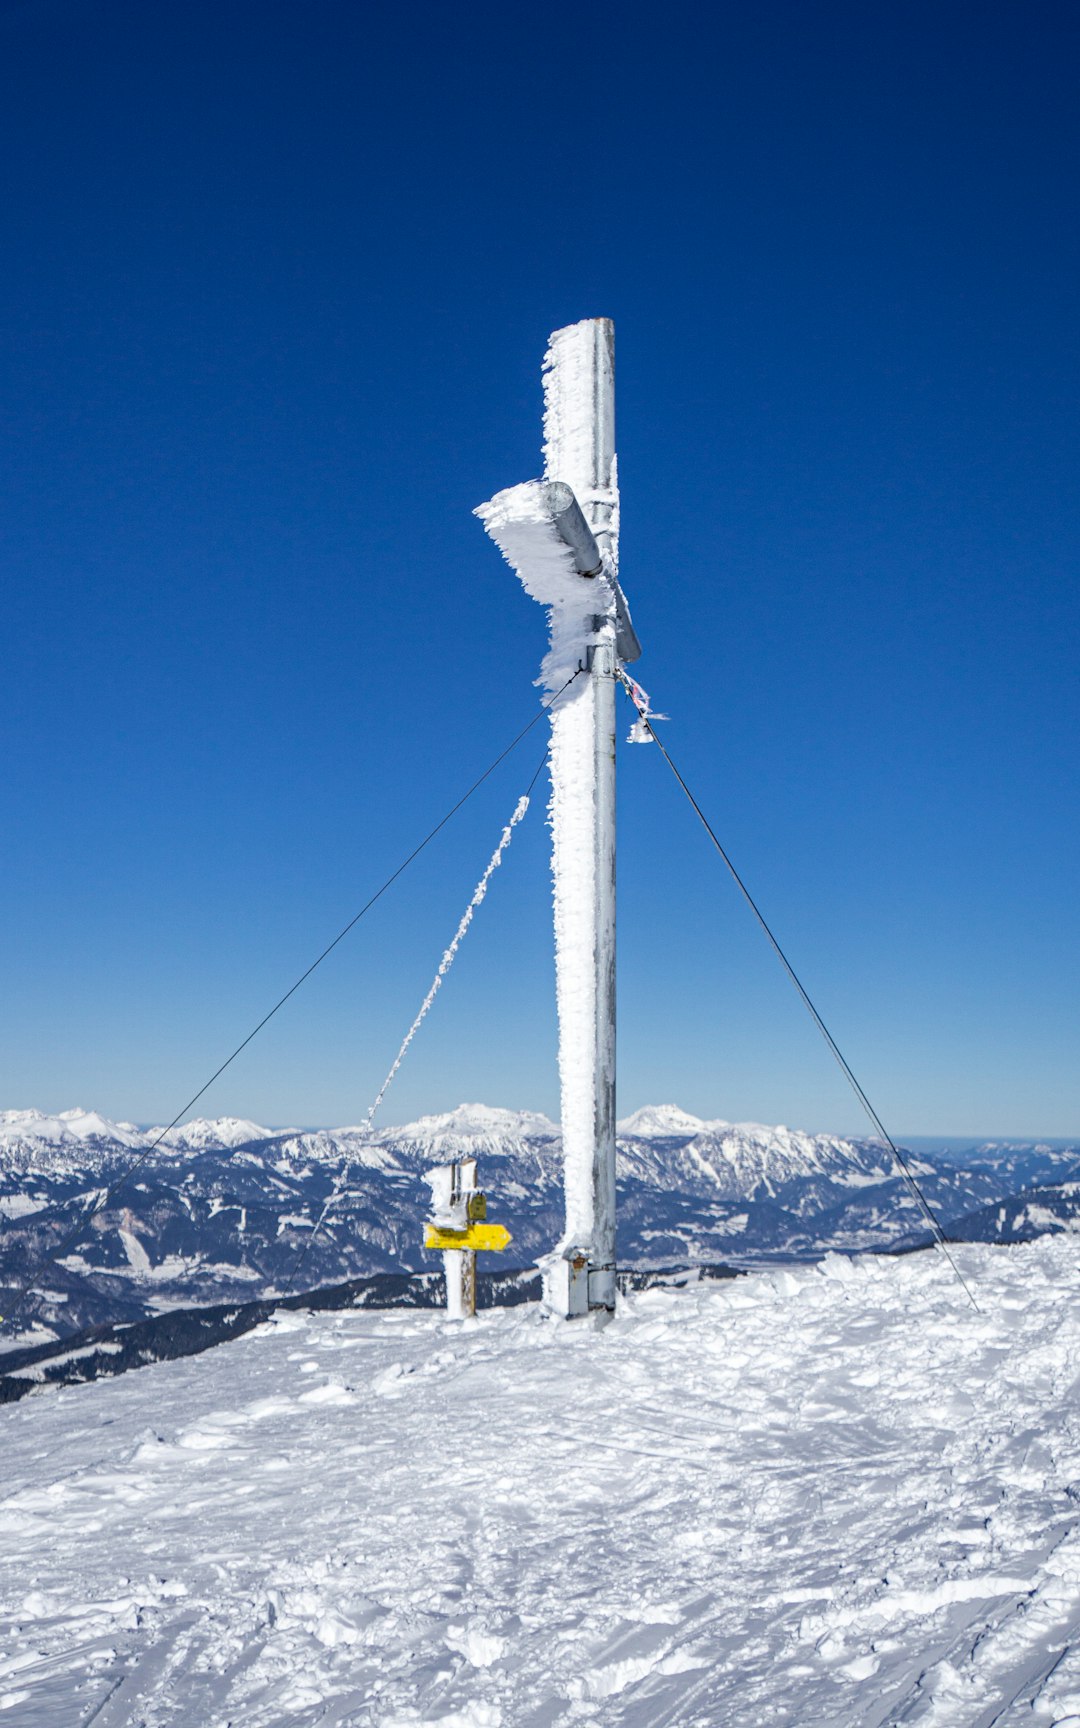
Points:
x=831 y=1497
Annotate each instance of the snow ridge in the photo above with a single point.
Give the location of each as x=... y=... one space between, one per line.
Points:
x=822 y=1496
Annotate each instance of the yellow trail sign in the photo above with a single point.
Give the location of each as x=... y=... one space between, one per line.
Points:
x=488 y=1238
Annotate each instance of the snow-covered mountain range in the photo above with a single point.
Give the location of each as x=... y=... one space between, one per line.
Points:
x=223 y=1210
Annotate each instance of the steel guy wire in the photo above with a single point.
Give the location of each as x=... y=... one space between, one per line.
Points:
x=109 y=1193
x=901 y=1162
x=340 y=1188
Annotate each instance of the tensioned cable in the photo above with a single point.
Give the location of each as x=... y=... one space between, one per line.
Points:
x=107 y=1194
x=479 y=894
x=902 y=1164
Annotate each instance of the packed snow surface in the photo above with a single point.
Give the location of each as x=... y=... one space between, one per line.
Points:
x=829 y=1498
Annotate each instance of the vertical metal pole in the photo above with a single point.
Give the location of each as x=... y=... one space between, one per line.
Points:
x=579 y=431
x=602 y=1256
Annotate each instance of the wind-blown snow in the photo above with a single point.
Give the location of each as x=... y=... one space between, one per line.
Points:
x=831 y=1498
x=518 y=522
x=579 y=449
x=478 y=896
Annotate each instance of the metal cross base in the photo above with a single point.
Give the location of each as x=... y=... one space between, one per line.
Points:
x=574 y=1287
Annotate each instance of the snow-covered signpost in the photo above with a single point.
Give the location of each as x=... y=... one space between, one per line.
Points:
x=458 y=1225
x=561 y=534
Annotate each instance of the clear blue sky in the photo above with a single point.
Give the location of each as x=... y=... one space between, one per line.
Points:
x=277 y=280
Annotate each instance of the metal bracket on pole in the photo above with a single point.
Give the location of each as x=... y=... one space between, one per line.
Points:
x=566 y=1282
x=573 y=530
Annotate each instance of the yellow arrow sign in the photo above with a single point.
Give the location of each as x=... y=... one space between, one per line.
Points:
x=488 y=1238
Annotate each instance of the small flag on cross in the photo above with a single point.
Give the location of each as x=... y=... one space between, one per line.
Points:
x=641 y=731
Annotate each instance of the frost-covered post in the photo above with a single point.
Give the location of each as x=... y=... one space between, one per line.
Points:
x=458 y=1225
x=453 y=1189
x=579 y=449
x=567 y=558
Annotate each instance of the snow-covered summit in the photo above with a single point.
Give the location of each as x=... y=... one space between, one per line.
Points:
x=750 y=1158
x=71 y=1139
x=834 y=1495
x=472 y=1131
x=661 y=1121
x=212 y=1135
x=34 y=1137
x=660 y=1144
x=665 y=1145
x=18 y=1126
x=86 y=1125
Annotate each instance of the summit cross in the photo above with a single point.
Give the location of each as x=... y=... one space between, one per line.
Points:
x=561 y=534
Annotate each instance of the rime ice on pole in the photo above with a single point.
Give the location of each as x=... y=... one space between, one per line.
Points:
x=579 y=451
x=520 y=524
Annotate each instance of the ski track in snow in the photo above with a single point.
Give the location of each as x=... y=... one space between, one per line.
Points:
x=830 y=1498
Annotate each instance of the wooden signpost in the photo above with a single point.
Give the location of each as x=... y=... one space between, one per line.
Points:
x=458 y=1226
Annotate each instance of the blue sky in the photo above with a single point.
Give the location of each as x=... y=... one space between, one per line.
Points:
x=277 y=281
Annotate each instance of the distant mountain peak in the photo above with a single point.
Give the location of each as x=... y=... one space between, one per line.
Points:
x=66 y=1127
x=216 y=1132
x=223 y=1207
x=660 y=1119
x=477 y=1121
